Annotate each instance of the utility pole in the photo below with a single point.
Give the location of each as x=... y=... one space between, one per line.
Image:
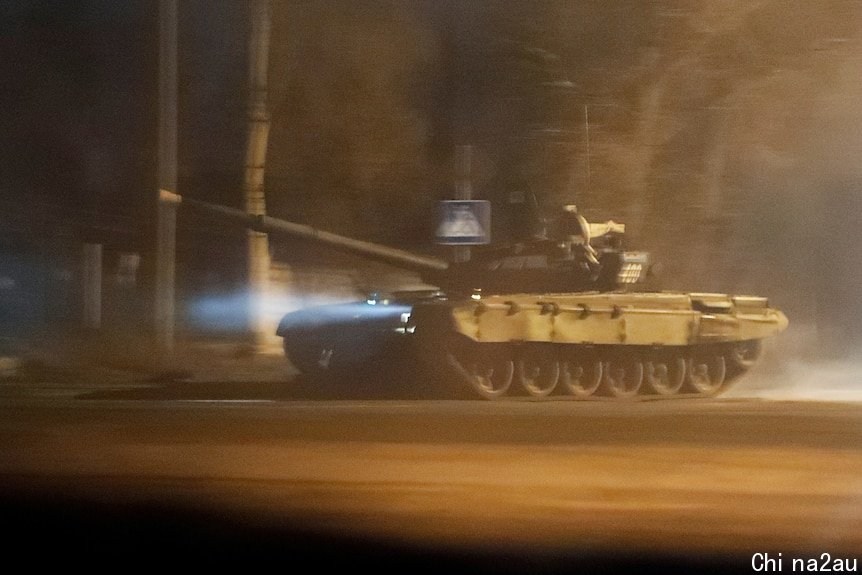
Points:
x=463 y=191
x=166 y=179
x=255 y=160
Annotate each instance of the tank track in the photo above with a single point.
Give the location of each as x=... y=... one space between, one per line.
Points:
x=541 y=371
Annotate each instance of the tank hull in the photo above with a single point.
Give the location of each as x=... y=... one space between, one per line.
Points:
x=621 y=345
x=638 y=319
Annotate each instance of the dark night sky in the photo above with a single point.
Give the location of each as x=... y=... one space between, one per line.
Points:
x=76 y=100
x=726 y=135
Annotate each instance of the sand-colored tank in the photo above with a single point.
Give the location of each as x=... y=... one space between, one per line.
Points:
x=562 y=315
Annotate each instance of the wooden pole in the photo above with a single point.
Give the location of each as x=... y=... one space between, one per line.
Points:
x=255 y=160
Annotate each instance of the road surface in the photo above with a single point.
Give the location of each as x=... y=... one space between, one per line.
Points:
x=239 y=472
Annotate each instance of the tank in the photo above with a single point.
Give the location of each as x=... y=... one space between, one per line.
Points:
x=572 y=314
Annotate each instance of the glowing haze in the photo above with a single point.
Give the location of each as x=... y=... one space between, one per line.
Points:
x=725 y=135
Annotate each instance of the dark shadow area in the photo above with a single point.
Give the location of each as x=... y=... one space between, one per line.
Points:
x=385 y=380
x=295 y=389
x=301 y=388
x=49 y=527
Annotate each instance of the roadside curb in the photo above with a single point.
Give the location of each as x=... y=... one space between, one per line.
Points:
x=109 y=362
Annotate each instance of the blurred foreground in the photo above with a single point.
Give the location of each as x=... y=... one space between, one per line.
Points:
x=204 y=473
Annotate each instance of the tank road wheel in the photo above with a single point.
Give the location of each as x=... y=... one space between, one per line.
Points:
x=312 y=358
x=581 y=375
x=740 y=357
x=488 y=370
x=623 y=377
x=665 y=375
x=538 y=371
x=706 y=373
x=744 y=354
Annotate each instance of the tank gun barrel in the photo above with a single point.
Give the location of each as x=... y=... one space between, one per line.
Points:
x=268 y=224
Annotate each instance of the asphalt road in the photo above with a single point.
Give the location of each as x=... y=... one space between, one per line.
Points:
x=237 y=473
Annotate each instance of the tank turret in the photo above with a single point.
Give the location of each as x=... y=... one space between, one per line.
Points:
x=592 y=260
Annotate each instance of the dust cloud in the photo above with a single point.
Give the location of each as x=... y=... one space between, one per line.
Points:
x=794 y=368
x=838 y=380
